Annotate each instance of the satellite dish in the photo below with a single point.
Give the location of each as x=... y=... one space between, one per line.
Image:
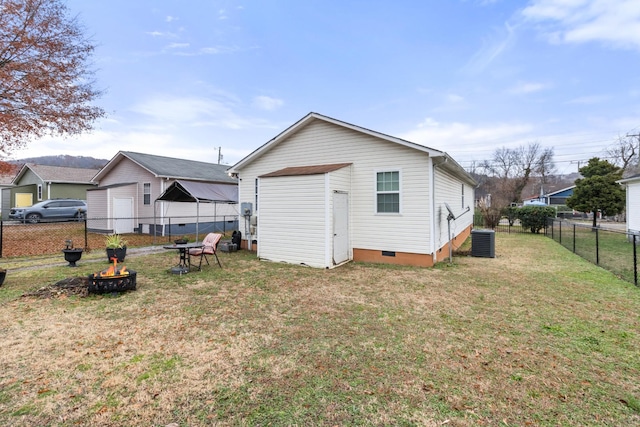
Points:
x=450 y=217
x=451 y=214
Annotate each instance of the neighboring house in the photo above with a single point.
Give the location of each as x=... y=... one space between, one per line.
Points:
x=559 y=197
x=534 y=201
x=632 y=185
x=324 y=192
x=6 y=182
x=34 y=183
x=125 y=199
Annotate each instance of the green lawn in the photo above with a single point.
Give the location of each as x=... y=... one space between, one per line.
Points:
x=536 y=336
x=609 y=249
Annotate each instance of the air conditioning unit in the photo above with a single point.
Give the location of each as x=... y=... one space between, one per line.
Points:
x=483 y=243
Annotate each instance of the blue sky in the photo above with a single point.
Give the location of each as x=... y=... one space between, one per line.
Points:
x=182 y=79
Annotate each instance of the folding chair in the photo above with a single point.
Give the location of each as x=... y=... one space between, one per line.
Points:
x=210 y=247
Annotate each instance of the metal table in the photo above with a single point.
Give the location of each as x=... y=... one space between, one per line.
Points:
x=184 y=265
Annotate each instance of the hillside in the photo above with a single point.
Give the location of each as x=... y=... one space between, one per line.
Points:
x=64 y=160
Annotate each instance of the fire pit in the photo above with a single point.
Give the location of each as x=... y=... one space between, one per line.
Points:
x=113 y=279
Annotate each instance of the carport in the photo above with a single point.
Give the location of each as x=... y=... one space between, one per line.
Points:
x=198 y=192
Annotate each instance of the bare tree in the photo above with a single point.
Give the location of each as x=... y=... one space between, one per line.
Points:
x=510 y=170
x=625 y=153
x=545 y=167
x=514 y=167
x=46 y=87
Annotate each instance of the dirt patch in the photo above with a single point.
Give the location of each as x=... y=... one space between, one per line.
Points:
x=64 y=288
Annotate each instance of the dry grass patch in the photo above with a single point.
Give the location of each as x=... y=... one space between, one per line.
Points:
x=535 y=336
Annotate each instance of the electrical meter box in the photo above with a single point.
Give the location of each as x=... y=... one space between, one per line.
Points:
x=246 y=209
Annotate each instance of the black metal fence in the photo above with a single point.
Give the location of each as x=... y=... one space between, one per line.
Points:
x=616 y=251
x=26 y=239
x=505 y=225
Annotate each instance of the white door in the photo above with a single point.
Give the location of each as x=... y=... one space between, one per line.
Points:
x=340 y=227
x=123 y=215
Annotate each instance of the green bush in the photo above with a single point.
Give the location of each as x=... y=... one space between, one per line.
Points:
x=534 y=218
x=511 y=213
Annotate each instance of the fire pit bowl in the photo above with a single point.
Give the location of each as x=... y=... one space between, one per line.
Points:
x=117 y=283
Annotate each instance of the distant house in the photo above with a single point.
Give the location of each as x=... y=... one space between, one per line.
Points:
x=124 y=200
x=324 y=192
x=559 y=197
x=632 y=185
x=34 y=183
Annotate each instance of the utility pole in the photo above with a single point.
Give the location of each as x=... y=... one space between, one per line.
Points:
x=637 y=135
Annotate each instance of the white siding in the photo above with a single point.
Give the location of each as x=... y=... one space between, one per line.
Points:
x=100 y=205
x=633 y=206
x=97 y=202
x=292 y=231
x=449 y=189
x=127 y=171
x=325 y=143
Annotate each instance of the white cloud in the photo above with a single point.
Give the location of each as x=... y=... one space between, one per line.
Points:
x=188 y=111
x=267 y=103
x=491 y=49
x=465 y=141
x=170 y=18
x=453 y=98
x=214 y=50
x=528 y=87
x=613 y=22
x=589 y=100
x=218 y=49
x=178 y=46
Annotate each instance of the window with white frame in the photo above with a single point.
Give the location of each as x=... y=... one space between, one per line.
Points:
x=146 y=191
x=39 y=192
x=388 y=192
x=462 y=196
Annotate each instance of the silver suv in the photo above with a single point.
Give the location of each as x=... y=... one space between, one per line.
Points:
x=51 y=210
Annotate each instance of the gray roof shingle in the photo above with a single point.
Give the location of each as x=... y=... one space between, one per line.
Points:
x=170 y=167
x=62 y=173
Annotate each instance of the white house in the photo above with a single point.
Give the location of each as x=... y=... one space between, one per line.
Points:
x=632 y=185
x=324 y=192
x=129 y=185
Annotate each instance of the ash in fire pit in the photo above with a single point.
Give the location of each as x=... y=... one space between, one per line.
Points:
x=113 y=279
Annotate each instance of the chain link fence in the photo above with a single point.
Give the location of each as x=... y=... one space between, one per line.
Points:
x=18 y=239
x=616 y=251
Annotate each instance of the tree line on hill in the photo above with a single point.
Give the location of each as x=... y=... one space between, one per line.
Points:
x=64 y=160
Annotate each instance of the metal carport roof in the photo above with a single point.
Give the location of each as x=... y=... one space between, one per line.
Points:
x=203 y=192
x=199 y=192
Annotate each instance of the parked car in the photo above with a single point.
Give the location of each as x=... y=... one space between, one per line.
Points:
x=51 y=210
